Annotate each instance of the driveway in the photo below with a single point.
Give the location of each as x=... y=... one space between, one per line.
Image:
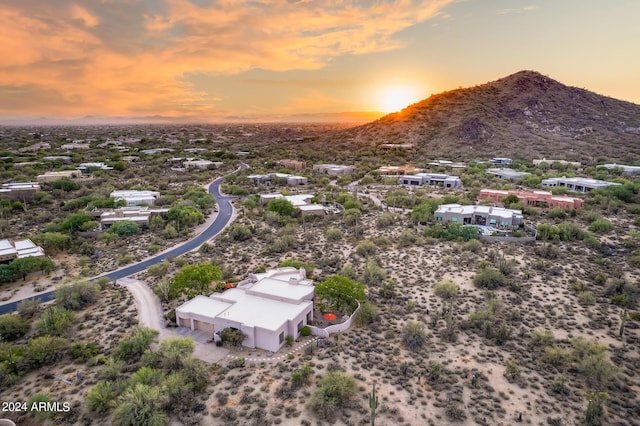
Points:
x=150 y=315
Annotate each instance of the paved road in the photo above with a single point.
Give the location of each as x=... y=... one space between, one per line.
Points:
x=225 y=211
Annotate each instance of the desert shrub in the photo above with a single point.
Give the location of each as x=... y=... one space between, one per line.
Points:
x=366 y=314
x=407 y=238
x=55 y=321
x=490 y=279
x=601 y=226
x=239 y=232
x=512 y=370
x=44 y=350
x=557 y=213
x=336 y=390
x=27 y=308
x=333 y=234
x=556 y=356
x=586 y=298
x=84 y=350
x=622 y=293
x=301 y=376
x=413 y=335
x=434 y=371
x=446 y=289
x=78 y=295
x=141 y=405
x=308 y=267
x=305 y=331
x=101 y=397
x=124 y=228
x=373 y=273
x=131 y=347
x=542 y=337
x=385 y=220
x=473 y=246
x=366 y=248
x=13 y=327
x=233 y=336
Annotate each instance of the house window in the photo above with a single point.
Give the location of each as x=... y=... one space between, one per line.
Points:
x=454 y=219
x=300 y=326
x=492 y=221
x=439 y=218
x=281 y=337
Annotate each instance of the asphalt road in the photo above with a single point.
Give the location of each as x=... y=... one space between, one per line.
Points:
x=225 y=210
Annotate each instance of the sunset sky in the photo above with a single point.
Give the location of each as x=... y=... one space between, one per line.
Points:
x=233 y=59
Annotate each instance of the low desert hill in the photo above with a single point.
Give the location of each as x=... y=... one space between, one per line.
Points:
x=524 y=115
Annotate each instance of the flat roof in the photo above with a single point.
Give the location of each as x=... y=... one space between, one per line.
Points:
x=256 y=311
x=204 y=306
x=282 y=288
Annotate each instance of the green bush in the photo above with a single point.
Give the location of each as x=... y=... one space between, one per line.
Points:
x=601 y=226
x=335 y=391
x=77 y=296
x=305 y=331
x=490 y=279
x=413 y=335
x=124 y=228
x=55 y=321
x=13 y=327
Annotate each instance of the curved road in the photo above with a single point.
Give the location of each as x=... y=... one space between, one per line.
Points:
x=225 y=210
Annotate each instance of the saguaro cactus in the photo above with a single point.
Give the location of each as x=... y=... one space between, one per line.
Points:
x=373 y=404
x=623 y=320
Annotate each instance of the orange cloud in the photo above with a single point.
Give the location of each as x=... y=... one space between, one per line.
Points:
x=120 y=58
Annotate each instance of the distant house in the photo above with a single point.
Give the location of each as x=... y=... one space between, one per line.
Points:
x=448 y=164
x=303 y=202
x=54 y=176
x=90 y=167
x=532 y=198
x=79 y=144
x=62 y=158
x=21 y=191
x=292 y=164
x=19 y=249
x=507 y=174
x=136 y=198
x=430 y=179
x=156 y=151
x=398 y=170
x=291 y=180
x=201 y=164
x=334 y=169
x=266 y=307
x=563 y=162
x=397 y=146
x=139 y=215
x=478 y=215
x=626 y=170
x=501 y=161
x=576 y=184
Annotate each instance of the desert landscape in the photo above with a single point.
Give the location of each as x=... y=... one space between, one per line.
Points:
x=534 y=323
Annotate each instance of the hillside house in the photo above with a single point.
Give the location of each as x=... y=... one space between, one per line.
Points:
x=19 y=249
x=90 y=167
x=292 y=164
x=507 y=174
x=292 y=180
x=501 y=161
x=136 y=198
x=267 y=307
x=576 y=184
x=21 y=191
x=141 y=216
x=303 y=202
x=542 y=199
x=54 y=176
x=430 y=179
x=334 y=169
x=626 y=170
x=398 y=170
x=478 y=215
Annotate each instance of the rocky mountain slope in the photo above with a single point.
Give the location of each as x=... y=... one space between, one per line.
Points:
x=524 y=115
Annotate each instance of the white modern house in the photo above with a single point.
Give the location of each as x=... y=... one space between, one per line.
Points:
x=19 y=249
x=626 y=170
x=507 y=173
x=292 y=180
x=501 y=161
x=478 y=215
x=201 y=164
x=267 y=307
x=576 y=184
x=88 y=167
x=431 y=179
x=22 y=191
x=136 y=198
x=54 y=176
x=334 y=169
x=303 y=202
x=141 y=216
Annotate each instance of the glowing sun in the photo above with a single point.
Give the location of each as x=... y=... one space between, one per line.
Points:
x=395 y=98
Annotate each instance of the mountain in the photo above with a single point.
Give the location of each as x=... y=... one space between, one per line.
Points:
x=525 y=115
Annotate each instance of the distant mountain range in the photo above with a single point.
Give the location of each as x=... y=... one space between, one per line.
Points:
x=524 y=115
